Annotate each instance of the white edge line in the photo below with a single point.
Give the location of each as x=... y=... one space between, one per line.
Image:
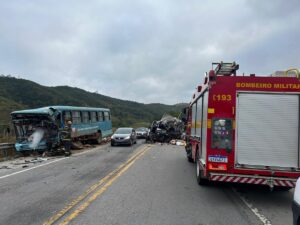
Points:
x=45 y=164
x=22 y=171
x=260 y=216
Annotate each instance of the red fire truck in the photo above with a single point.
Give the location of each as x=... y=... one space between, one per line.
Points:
x=245 y=129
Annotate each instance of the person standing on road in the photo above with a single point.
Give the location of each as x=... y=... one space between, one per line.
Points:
x=67 y=139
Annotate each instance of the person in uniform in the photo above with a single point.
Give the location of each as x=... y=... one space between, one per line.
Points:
x=67 y=139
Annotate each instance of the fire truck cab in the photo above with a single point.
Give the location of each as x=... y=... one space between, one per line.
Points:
x=245 y=129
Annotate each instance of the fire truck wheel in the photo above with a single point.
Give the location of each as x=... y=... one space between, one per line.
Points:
x=201 y=180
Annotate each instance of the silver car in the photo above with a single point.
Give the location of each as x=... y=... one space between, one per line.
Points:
x=141 y=132
x=123 y=136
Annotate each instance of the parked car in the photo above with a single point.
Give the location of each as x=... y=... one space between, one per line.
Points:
x=141 y=132
x=296 y=204
x=123 y=136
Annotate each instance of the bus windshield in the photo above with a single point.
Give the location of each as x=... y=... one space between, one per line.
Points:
x=26 y=125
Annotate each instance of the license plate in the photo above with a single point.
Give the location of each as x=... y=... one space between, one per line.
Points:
x=217 y=158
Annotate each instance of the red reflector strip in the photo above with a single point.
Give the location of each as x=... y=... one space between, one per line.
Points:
x=284 y=183
x=252 y=180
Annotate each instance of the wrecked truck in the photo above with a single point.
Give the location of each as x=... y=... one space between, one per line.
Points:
x=41 y=129
x=166 y=129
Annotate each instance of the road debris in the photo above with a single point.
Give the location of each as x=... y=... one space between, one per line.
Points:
x=5 y=167
x=177 y=142
x=34 y=160
x=77 y=145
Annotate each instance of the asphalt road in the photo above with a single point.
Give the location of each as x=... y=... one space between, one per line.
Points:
x=144 y=184
x=32 y=196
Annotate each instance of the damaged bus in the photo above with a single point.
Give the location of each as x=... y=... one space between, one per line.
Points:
x=40 y=129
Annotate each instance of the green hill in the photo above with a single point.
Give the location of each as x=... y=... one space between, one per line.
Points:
x=16 y=94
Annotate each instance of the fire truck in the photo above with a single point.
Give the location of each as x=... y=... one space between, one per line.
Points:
x=245 y=128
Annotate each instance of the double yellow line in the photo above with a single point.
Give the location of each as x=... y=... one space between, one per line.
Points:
x=94 y=191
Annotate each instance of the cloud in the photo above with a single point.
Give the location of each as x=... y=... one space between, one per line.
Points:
x=146 y=51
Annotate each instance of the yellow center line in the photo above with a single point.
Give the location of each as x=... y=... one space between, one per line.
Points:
x=82 y=207
x=73 y=203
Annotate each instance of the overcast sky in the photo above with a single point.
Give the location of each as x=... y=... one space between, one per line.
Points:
x=145 y=50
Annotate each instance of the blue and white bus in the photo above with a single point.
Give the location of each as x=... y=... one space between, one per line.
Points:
x=39 y=129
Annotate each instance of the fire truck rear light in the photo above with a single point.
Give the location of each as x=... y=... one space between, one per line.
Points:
x=217 y=167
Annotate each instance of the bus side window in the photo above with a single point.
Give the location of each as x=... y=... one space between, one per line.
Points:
x=109 y=116
x=67 y=116
x=93 y=117
x=100 y=116
x=76 y=118
x=85 y=117
x=106 y=116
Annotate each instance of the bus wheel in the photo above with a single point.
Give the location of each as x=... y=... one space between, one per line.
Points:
x=99 y=138
x=201 y=180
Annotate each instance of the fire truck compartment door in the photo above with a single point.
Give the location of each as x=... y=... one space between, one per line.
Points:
x=267 y=132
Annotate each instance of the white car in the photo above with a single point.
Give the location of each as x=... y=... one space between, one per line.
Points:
x=296 y=204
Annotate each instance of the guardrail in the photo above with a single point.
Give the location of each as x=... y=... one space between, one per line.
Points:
x=6 y=146
x=7 y=151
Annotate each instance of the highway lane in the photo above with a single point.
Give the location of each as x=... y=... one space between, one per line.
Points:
x=33 y=196
x=274 y=206
x=160 y=188
x=150 y=184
